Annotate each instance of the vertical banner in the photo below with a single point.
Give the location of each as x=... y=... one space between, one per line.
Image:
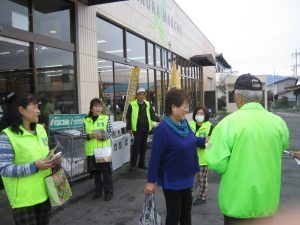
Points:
x=175 y=78
x=131 y=90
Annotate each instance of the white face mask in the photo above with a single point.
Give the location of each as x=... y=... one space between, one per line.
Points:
x=199 y=119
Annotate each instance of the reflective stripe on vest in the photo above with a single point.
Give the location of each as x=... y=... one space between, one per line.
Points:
x=28 y=190
x=135 y=114
x=203 y=131
x=90 y=126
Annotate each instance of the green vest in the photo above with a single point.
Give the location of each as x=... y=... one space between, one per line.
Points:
x=203 y=131
x=246 y=149
x=90 y=126
x=28 y=190
x=135 y=113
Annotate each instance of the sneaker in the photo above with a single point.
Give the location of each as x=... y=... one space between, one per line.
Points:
x=108 y=197
x=132 y=169
x=96 y=196
x=199 y=201
x=143 y=167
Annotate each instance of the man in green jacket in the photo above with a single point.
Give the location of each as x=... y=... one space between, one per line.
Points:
x=246 y=149
x=140 y=115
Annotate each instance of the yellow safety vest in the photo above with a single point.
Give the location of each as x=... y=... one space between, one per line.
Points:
x=203 y=131
x=135 y=114
x=28 y=190
x=90 y=126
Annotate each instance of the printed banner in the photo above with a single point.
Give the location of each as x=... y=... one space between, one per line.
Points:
x=175 y=78
x=65 y=121
x=131 y=90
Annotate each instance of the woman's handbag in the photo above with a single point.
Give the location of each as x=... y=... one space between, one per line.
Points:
x=150 y=215
x=59 y=190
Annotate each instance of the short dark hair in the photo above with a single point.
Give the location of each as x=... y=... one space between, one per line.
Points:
x=206 y=114
x=12 y=117
x=93 y=102
x=175 y=97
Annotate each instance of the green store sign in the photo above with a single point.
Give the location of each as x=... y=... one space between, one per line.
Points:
x=161 y=17
x=66 y=121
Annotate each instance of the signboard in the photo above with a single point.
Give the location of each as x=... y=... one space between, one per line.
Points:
x=65 y=121
x=175 y=78
x=131 y=90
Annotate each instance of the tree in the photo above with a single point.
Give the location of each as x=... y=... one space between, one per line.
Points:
x=221 y=82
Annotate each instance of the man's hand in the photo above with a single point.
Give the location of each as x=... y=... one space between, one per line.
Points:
x=44 y=164
x=296 y=154
x=130 y=132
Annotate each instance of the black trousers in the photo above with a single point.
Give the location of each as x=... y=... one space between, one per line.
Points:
x=179 y=206
x=139 y=148
x=251 y=221
x=102 y=173
x=38 y=214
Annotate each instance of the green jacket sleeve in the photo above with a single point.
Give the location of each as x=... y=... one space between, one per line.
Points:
x=285 y=136
x=218 y=151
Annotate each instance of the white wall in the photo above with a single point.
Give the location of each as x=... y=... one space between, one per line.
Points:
x=230 y=81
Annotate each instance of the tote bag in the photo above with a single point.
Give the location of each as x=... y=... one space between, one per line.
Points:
x=59 y=190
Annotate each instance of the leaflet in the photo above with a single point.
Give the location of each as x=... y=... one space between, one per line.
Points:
x=52 y=152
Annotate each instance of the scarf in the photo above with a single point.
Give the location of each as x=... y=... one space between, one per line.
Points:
x=181 y=128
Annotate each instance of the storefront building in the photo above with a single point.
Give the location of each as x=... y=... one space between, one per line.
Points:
x=68 y=52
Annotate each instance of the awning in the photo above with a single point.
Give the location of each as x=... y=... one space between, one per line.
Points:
x=220 y=58
x=295 y=87
x=204 y=60
x=97 y=2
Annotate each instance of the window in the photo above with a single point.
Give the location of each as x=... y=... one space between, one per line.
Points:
x=169 y=60
x=56 y=82
x=159 y=92
x=210 y=86
x=15 y=67
x=150 y=54
x=122 y=76
x=14 y=13
x=135 y=48
x=54 y=19
x=158 y=56
x=164 y=58
x=143 y=79
x=106 y=85
x=110 y=42
x=152 y=95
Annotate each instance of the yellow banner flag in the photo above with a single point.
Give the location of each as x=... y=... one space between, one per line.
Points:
x=131 y=90
x=175 y=78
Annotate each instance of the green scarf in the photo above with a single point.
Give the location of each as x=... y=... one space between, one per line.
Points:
x=181 y=128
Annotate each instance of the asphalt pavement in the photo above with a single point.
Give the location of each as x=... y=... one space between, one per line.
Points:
x=126 y=205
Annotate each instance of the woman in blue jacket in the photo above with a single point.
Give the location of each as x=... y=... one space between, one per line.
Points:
x=174 y=160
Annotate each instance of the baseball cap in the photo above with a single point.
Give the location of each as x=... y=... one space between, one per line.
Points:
x=248 y=82
x=140 y=90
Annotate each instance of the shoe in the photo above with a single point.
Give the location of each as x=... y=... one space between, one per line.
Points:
x=199 y=201
x=143 y=167
x=108 y=197
x=132 y=169
x=96 y=196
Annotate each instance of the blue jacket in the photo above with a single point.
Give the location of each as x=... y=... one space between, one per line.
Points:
x=173 y=157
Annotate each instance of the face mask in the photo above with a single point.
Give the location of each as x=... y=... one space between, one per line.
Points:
x=199 y=119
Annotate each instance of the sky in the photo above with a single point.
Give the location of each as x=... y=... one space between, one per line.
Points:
x=254 y=36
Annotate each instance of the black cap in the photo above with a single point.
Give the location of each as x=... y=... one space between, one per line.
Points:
x=248 y=82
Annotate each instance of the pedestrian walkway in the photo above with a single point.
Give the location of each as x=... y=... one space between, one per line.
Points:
x=126 y=205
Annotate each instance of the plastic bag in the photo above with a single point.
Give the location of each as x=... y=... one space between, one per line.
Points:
x=150 y=215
